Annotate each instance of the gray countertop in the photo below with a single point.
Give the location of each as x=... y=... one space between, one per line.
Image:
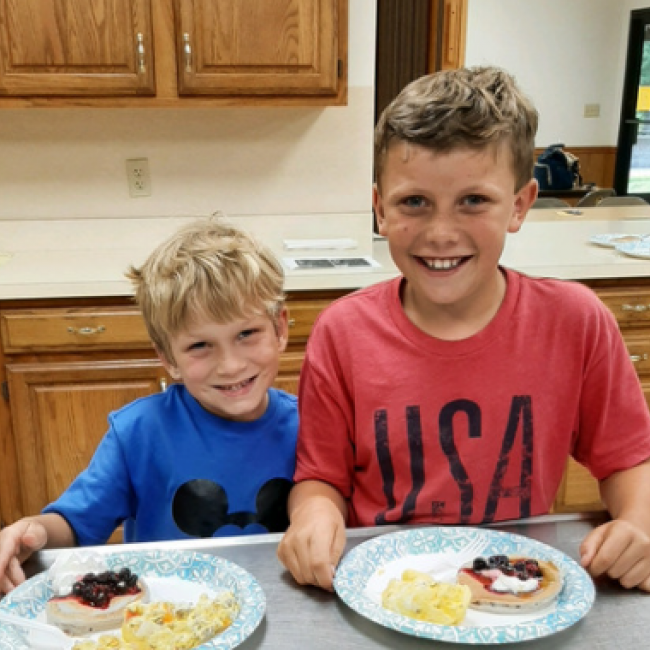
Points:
x=299 y=617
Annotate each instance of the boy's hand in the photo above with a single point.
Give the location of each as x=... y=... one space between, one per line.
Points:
x=313 y=544
x=17 y=543
x=620 y=550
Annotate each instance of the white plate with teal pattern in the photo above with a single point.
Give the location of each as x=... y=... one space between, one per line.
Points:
x=365 y=571
x=178 y=576
x=639 y=249
x=612 y=240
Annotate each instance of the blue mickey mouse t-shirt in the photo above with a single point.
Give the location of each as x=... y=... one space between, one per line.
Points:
x=169 y=469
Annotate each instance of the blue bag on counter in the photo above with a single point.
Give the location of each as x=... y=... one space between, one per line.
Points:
x=557 y=169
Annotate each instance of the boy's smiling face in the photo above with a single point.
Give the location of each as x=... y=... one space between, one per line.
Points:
x=446 y=216
x=229 y=367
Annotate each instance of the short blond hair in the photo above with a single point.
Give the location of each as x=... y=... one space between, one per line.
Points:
x=207 y=268
x=472 y=108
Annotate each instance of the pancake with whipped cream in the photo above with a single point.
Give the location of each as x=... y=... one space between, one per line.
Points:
x=510 y=584
x=97 y=602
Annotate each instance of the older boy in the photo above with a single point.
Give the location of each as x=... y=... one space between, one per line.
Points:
x=214 y=454
x=455 y=393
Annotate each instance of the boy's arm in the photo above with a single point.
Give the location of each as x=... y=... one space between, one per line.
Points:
x=621 y=547
x=313 y=544
x=19 y=540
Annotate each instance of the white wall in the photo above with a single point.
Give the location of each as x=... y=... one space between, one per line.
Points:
x=68 y=163
x=564 y=53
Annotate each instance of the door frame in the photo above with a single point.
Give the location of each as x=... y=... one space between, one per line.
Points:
x=628 y=126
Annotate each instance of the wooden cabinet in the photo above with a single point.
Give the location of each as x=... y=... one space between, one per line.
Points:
x=60 y=414
x=76 y=47
x=65 y=369
x=284 y=47
x=172 y=52
x=629 y=301
x=65 y=364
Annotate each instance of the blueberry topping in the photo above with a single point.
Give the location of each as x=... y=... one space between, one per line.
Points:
x=98 y=590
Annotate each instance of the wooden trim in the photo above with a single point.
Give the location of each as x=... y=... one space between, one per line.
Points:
x=448 y=32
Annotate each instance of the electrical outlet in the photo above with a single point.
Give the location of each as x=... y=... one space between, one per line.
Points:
x=137 y=176
x=592 y=110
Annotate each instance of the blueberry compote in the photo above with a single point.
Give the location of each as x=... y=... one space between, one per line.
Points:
x=97 y=589
x=522 y=568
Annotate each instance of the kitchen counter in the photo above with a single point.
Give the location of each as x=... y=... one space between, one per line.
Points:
x=305 y=616
x=88 y=257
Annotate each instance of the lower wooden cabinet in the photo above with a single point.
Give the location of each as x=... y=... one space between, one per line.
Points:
x=60 y=415
x=66 y=364
x=629 y=301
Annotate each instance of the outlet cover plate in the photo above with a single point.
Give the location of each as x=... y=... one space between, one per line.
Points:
x=137 y=176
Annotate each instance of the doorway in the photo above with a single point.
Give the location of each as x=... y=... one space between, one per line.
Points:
x=632 y=171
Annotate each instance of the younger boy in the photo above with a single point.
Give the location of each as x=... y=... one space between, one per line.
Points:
x=214 y=454
x=455 y=393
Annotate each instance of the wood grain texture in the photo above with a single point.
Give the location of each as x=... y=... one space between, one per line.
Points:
x=59 y=415
x=448 y=31
x=76 y=47
x=83 y=54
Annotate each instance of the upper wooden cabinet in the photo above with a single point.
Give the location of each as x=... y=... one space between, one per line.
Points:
x=257 y=47
x=172 y=52
x=76 y=47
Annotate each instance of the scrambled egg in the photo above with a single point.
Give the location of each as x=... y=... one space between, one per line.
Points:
x=166 y=626
x=417 y=595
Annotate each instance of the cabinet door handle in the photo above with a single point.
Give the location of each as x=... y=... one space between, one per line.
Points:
x=292 y=322
x=163 y=384
x=142 y=67
x=187 y=51
x=639 y=357
x=87 y=331
x=626 y=307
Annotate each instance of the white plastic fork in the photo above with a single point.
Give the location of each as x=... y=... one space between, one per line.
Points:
x=447 y=564
x=43 y=635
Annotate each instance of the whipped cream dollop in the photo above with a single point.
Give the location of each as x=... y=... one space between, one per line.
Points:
x=70 y=567
x=512 y=584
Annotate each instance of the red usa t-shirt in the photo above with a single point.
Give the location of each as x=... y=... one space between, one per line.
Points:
x=413 y=429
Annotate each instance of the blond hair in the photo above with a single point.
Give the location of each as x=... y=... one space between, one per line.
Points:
x=207 y=268
x=471 y=108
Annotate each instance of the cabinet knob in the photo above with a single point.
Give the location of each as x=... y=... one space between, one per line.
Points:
x=87 y=331
x=187 y=52
x=292 y=322
x=142 y=67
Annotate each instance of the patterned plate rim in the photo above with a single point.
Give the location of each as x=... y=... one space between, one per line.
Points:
x=356 y=568
x=608 y=240
x=29 y=598
x=639 y=249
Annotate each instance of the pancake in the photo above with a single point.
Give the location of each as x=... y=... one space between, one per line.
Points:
x=97 y=602
x=510 y=584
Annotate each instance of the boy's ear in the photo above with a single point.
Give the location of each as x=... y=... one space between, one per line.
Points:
x=282 y=327
x=167 y=365
x=378 y=207
x=524 y=200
